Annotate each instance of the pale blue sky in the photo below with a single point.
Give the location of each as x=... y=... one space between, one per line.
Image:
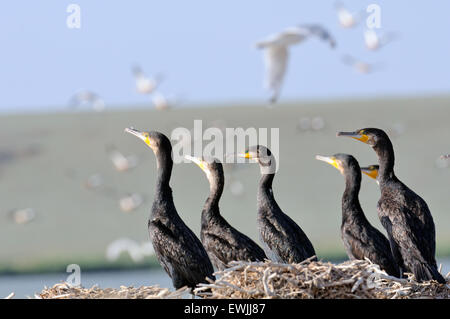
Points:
x=204 y=48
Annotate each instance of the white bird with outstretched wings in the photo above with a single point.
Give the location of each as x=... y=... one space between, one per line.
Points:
x=346 y=18
x=145 y=84
x=276 y=52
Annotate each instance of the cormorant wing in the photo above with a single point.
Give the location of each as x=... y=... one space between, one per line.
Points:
x=369 y=242
x=284 y=237
x=410 y=227
x=230 y=244
x=180 y=252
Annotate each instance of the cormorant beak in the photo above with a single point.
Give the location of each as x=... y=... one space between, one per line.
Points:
x=197 y=161
x=370 y=171
x=358 y=135
x=330 y=160
x=142 y=135
x=246 y=155
x=252 y=156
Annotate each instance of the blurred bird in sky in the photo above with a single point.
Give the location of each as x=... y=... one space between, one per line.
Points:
x=276 y=53
x=94 y=181
x=130 y=202
x=145 y=84
x=346 y=18
x=361 y=66
x=23 y=216
x=137 y=251
x=86 y=97
x=443 y=161
x=121 y=162
x=374 y=41
x=396 y=130
x=160 y=102
x=163 y=102
x=316 y=123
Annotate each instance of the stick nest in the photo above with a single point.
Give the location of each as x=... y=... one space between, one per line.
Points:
x=315 y=280
x=307 y=280
x=64 y=291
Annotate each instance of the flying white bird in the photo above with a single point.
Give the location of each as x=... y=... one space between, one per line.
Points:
x=346 y=18
x=276 y=53
x=137 y=251
x=373 y=41
x=144 y=84
x=317 y=123
x=121 y=162
x=360 y=66
x=160 y=101
x=443 y=161
x=85 y=97
x=94 y=181
x=23 y=216
x=130 y=202
x=163 y=102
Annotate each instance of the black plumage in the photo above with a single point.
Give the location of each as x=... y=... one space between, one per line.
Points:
x=284 y=241
x=178 y=250
x=361 y=240
x=222 y=241
x=404 y=214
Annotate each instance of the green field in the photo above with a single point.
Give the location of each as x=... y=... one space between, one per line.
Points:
x=45 y=159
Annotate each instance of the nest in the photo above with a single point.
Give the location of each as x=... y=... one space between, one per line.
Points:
x=64 y=291
x=358 y=279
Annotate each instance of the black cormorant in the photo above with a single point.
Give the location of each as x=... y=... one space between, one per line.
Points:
x=371 y=171
x=284 y=241
x=179 y=251
x=403 y=213
x=222 y=242
x=361 y=239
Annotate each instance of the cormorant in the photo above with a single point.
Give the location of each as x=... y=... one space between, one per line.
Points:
x=361 y=239
x=284 y=241
x=371 y=171
x=403 y=213
x=179 y=251
x=222 y=242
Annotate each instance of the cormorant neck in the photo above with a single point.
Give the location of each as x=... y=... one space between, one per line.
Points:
x=265 y=184
x=216 y=185
x=350 y=199
x=385 y=153
x=267 y=170
x=164 y=170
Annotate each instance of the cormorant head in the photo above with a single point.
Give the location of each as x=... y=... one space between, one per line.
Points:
x=211 y=166
x=263 y=156
x=371 y=136
x=371 y=171
x=155 y=140
x=344 y=163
